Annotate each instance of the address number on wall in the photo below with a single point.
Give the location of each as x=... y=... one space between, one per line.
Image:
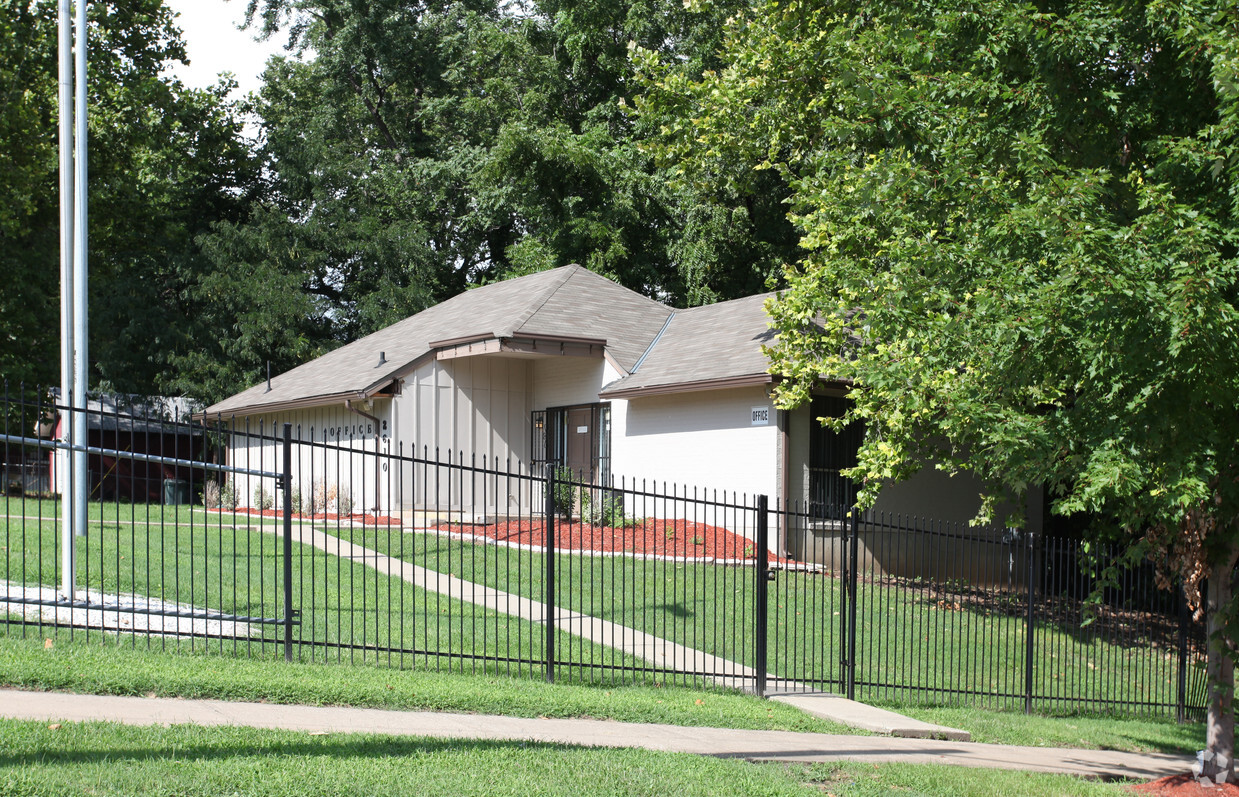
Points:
x=761 y=416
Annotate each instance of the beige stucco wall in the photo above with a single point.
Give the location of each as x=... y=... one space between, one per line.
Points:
x=700 y=439
x=565 y=381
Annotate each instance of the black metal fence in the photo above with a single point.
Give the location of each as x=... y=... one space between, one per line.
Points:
x=327 y=547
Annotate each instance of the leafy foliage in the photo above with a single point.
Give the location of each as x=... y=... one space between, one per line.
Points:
x=1019 y=244
x=422 y=148
x=165 y=162
x=1018 y=232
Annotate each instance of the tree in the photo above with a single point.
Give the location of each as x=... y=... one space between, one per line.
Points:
x=165 y=162
x=421 y=148
x=1019 y=247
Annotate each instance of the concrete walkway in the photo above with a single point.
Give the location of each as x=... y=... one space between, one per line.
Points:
x=661 y=653
x=747 y=744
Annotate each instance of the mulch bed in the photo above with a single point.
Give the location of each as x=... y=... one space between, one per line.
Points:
x=680 y=539
x=1184 y=786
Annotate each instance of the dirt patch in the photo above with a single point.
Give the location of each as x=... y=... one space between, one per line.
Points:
x=1184 y=786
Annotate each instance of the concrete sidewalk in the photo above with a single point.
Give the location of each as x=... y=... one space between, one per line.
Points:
x=752 y=745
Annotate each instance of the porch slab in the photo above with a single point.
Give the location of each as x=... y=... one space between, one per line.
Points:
x=867 y=718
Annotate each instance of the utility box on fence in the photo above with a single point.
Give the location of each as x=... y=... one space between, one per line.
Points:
x=175 y=491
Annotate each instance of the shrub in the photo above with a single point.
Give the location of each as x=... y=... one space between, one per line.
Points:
x=228 y=496
x=263 y=499
x=608 y=510
x=210 y=494
x=565 y=491
x=310 y=502
x=344 y=502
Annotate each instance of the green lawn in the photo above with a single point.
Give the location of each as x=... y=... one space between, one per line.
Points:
x=109 y=759
x=111 y=666
x=102 y=758
x=906 y=638
x=349 y=611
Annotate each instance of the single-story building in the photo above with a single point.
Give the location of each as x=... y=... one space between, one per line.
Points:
x=566 y=366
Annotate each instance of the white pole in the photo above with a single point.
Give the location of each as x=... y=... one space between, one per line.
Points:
x=81 y=374
x=64 y=477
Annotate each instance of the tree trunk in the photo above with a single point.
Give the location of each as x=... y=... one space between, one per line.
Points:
x=1219 y=753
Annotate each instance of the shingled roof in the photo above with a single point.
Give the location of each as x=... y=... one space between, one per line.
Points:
x=713 y=346
x=566 y=302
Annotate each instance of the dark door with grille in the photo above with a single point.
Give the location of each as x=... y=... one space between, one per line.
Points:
x=578 y=438
x=581 y=442
x=830 y=493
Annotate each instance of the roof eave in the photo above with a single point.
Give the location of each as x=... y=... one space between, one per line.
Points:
x=722 y=383
x=281 y=406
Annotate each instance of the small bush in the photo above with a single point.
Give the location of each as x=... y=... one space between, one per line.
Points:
x=263 y=499
x=310 y=502
x=344 y=502
x=210 y=494
x=228 y=496
x=608 y=510
x=324 y=496
x=565 y=491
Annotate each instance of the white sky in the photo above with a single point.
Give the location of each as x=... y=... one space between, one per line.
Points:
x=214 y=44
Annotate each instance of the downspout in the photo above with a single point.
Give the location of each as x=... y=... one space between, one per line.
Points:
x=348 y=404
x=785 y=477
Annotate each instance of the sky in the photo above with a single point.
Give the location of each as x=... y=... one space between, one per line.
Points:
x=214 y=44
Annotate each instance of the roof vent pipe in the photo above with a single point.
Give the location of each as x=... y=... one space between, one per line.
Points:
x=268 y=376
x=382 y=358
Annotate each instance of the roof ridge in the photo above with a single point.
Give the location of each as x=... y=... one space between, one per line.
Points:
x=548 y=292
x=654 y=342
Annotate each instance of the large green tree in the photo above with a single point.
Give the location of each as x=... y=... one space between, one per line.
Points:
x=1019 y=246
x=165 y=162
x=417 y=149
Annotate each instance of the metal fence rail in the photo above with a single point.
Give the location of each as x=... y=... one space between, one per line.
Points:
x=338 y=545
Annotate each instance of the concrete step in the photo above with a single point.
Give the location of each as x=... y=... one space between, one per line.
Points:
x=867 y=718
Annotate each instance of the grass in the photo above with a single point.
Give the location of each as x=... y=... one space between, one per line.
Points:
x=708 y=607
x=111 y=667
x=109 y=759
x=348 y=610
x=346 y=603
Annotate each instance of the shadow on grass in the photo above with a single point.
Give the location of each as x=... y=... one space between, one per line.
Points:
x=334 y=745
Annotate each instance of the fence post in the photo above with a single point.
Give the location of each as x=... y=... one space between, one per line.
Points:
x=762 y=591
x=1181 y=704
x=549 y=542
x=853 y=566
x=1028 y=644
x=288 y=542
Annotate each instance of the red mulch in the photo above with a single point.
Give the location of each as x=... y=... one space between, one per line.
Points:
x=651 y=537
x=671 y=538
x=1184 y=786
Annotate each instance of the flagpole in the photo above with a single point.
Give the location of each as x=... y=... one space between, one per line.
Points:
x=81 y=375
x=63 y=460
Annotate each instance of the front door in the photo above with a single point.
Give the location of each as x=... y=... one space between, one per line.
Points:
x=581 y=439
